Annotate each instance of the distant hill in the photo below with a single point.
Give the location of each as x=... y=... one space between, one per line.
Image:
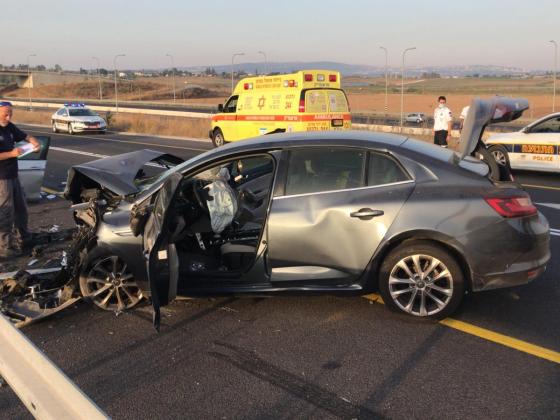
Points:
x=361 y=69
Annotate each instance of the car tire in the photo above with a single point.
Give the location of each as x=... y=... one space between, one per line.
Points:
x=418 y=121
x=421 y=279
x=218 y=138
x=107 y=281
x=500 y=154
x=70 y=129
x=54 y=129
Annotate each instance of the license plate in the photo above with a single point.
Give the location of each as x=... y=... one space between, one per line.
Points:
x=337 y=123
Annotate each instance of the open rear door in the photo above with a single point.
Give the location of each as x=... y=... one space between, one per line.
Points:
x=161 y=255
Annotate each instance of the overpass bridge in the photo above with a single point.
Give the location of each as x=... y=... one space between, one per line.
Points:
x=22 y=79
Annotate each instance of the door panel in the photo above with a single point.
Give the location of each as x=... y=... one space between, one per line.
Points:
x=317 y=235
x=162 y=259
x=32 y=169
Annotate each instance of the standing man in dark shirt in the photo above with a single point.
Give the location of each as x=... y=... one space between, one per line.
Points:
x=14 y=233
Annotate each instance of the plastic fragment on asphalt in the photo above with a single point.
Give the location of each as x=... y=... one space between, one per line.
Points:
x=33 y=261
x=54 y=228
x=51 y=197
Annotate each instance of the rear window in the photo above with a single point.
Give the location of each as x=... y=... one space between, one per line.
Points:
x=82 y=112
x=325 y=100
x=384 y=170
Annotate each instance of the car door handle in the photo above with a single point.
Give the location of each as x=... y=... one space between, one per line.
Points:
x=366 y=213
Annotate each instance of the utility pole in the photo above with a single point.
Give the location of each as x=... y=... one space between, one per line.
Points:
x=554 y=75
x=402 y=85
x=116 y=75
x=173 y=71
x=29 y=80
x=265 y=62
x=99 y=78
x=232 y=57
x=386 y=80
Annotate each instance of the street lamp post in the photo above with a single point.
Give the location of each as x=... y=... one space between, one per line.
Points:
x=173 y=71
x=99 y=78
x=386 y=80
x=116 y=88
x=29 y=80
x=265 y=61
x=402 y=85
x=232 y=58
x=554 y=75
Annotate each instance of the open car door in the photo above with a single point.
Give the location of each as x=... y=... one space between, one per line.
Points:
x=32 y=169
x=161 y=255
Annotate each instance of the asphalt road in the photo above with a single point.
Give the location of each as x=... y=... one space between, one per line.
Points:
x=300 y=356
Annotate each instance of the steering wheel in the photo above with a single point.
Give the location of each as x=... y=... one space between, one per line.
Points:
x=197 y=187
x=248 y=196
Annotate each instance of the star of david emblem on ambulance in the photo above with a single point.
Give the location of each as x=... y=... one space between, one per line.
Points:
x=262 y=99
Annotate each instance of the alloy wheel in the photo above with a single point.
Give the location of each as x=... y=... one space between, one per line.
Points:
x=110 y=285
x=500 y=157
x=421 y=285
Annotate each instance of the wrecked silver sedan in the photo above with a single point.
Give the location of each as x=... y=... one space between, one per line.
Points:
x=311 y=212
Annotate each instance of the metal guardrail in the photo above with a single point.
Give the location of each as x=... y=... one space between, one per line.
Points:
x=42 y=387
x=162 y=112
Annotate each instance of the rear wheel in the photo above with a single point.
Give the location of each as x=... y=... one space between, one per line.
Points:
x=500 y=155
x=108 y=281
x=218 y=138
x=421 y=279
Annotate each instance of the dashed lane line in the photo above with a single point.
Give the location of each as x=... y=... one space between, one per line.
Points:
x=504 y=340
x=193 y=149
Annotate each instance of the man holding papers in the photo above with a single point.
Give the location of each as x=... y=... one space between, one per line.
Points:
x=14 y=234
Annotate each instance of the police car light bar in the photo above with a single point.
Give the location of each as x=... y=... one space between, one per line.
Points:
x=75 y=105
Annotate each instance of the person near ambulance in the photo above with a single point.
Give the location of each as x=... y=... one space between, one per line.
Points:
x=442 y=123
x=14 y=233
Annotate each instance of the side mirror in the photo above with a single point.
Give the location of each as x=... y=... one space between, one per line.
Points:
x=220 y=108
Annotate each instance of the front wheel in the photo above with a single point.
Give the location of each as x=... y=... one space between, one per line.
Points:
x=421 y=279
x=218 y=138
x=70 y=129
x=107 y=280
x=54 y=129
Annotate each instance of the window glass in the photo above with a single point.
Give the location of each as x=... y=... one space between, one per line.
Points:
x=384 y=170
x=315 y=101
x=324 y=169
x=61 y=112
x=551 y=125
x=231 y=105
x=82 y=112
x=337 y=101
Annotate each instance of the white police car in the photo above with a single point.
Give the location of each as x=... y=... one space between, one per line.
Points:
x=77 y=118
x=535 y=147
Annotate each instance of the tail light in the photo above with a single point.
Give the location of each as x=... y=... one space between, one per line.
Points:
x=332 y=77
x=308 y=77
x=515 y=206
x=302 y=105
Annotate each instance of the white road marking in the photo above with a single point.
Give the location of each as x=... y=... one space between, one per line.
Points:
x=78 y=152
x=81 y=136
x=550 y=205
x=555 y=232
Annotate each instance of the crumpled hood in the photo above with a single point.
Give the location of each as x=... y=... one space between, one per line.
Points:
x=116 y=173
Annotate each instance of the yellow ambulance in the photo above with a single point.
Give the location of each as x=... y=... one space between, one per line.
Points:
x=308 y=100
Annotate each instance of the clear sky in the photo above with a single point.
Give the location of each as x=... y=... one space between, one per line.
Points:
x=207 y=32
